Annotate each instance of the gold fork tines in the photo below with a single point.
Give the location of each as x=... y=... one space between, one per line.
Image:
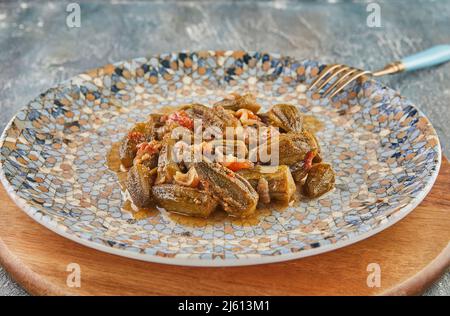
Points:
x=343 y=76
x=340 y=84
x=327 y=70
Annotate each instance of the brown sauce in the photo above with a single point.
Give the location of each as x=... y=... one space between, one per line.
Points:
x=312 y=123
x=113 y=164
x=137 y=212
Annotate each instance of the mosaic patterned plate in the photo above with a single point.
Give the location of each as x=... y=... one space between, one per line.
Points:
x=53 y=159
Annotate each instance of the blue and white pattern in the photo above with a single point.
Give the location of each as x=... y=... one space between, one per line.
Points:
x=53 y=157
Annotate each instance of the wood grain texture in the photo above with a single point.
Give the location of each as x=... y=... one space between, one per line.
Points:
x=411 y=254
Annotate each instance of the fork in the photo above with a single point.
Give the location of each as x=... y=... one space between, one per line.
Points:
x=338 y=76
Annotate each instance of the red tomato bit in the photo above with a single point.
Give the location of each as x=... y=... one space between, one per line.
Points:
x=148 y=148
x=182 y=119
x=136 y=137
x=307 y=162
x=238 y=165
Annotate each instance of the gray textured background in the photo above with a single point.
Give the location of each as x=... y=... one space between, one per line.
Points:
x=38 y=50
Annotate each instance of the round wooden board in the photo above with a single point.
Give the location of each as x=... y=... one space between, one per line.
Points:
x=411 y=254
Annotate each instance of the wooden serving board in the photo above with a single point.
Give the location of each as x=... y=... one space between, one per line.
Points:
x=411 y=254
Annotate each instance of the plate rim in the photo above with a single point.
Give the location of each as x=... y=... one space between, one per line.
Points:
x=217 y=262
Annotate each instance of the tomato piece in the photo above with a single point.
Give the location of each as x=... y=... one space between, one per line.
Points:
x=147 y=148
x=238 y=165
x=307 y=162
x=247 y=114
x=182 y=119
x=136 y=137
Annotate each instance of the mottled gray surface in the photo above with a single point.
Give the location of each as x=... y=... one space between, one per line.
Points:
x=38 y=50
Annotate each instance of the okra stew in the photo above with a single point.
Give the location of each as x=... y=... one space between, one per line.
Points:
x=197 y=159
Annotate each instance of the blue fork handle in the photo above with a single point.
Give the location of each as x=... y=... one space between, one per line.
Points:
x=431 y=57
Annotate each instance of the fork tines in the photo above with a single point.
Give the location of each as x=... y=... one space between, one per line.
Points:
x=338 y=76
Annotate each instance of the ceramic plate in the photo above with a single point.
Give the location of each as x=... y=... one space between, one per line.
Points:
x=53 y=159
